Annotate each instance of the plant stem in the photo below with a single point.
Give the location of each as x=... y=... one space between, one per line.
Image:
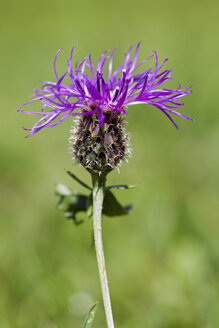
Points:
x=98 y=195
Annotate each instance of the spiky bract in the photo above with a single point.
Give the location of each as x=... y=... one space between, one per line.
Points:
x=100 y=149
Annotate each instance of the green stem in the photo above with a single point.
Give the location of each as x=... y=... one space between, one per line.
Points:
x=98 y=195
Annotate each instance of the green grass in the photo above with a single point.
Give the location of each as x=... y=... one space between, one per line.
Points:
x=162 y=260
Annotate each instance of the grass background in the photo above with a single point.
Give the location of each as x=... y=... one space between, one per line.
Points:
x=163 y=259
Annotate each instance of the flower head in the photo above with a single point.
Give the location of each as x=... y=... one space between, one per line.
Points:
x=85 y=90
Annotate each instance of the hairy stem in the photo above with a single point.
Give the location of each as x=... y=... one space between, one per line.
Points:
x=98 y=195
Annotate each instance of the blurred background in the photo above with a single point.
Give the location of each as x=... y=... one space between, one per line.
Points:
x=163 y=259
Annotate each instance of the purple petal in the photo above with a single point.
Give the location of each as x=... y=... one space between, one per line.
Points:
x=78 y=88
x=54 y=64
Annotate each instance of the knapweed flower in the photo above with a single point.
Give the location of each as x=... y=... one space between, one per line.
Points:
x=102 y=102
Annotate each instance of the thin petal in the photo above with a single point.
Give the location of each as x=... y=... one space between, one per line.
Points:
x=54 y=64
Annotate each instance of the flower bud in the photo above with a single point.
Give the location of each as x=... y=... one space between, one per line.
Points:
x=98 y=148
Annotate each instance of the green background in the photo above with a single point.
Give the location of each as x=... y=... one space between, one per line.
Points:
x=163 y=259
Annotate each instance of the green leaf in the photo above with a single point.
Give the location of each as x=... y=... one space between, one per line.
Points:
x=71 y=202
x=90 y=206
x=128 y=208
x=112 y=207
x=73 y=176
x=122 y=186
x=90 y=317
x=61 y=189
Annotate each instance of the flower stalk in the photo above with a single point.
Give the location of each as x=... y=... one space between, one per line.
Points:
x=98 y=196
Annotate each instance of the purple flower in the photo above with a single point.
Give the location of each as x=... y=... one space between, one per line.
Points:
x=85 y=90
